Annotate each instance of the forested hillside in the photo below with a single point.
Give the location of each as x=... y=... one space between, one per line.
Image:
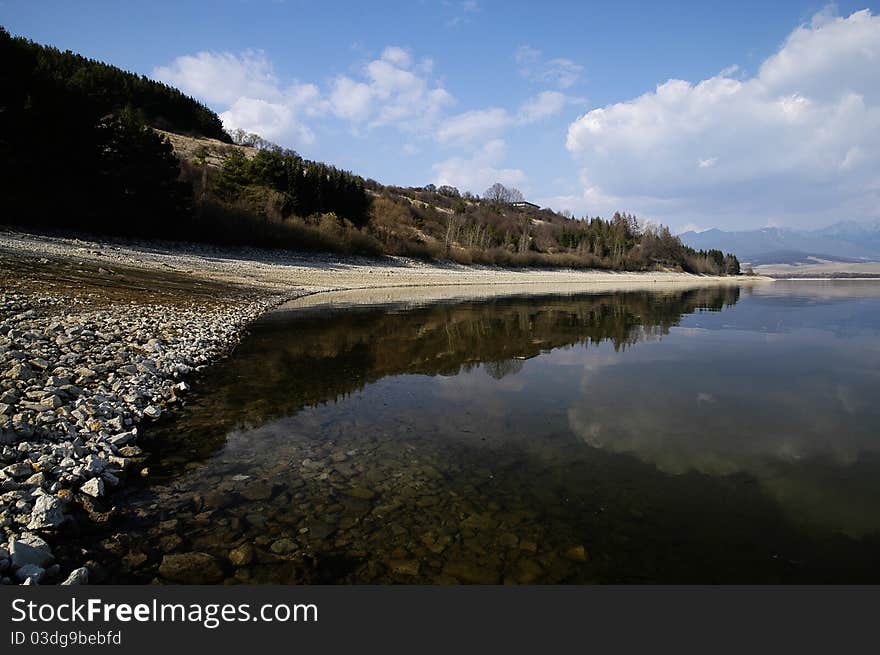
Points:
x=81 y=149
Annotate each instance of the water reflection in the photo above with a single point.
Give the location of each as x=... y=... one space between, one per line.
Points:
x=703 y=435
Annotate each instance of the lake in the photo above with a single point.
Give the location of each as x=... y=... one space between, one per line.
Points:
x=706 y=435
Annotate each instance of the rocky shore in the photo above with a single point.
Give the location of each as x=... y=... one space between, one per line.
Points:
x=81 y=367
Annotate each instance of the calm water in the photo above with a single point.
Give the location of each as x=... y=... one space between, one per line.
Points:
x=711 y=435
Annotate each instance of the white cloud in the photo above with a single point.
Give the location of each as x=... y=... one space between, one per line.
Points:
x=474 y=125
x=559 y=72
x=268 y=119
x=467 y=8
x=397 y=56
x=389 y=90
x=392 y=92
x=479 y=171
x=546 y=103
x=480 y=124
x=350 y=99
x=800 y=138
x=222 y=77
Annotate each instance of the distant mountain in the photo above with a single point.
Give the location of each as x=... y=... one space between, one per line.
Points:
x=842 y=241
x=797 y=257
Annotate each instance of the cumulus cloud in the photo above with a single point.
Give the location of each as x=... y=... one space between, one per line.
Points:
x=473 y=125
x=559 y=72
x=800 y=138
x=546 y=103
x=480 y=124
x=480 y=170
x=392 y=89
x=222 y=77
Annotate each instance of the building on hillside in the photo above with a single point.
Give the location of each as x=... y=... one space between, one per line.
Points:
x=522 y=204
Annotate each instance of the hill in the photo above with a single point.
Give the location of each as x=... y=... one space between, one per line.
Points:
x=87 y=146
x=845 y=241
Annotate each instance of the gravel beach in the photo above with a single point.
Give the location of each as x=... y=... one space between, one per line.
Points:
x=97 y=337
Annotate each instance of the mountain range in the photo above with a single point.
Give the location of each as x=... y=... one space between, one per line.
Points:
x=846 y=241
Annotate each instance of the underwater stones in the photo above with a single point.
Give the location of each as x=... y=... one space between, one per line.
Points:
x=258 y=491
x=242 y=555
x=575 y=553
x=191 y=568
x=508 y=540
x=320 y=530
x=361 y=493
x=483 y=521
x=170 y=543
x=404 y=566
x=284 y=546
x=528 y=546
x=526 y=571
x=471 y=572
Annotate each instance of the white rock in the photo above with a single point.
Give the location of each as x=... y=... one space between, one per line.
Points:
x=153 y=412
x=46 y=513
x=94 y=488
x=77 y=577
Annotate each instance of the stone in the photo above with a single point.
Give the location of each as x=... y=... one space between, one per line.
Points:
x=30 y=572
x=94 y=488
x=122 y=439
x=19 y=470
x=191 y=568
x=152 y=412
x=170 y=542
x=20 y=372
x=284 y=546
x=528 y=546
x=77 y=577
x=479 y=522
x=52 y=402
x=46 y=513
x=575 y=554
x=94 y=464
x=470 y=572
x=508 y=540
x=30 y=549
x=257 y=491
x=320 y=530
x=404 y=566
x=361 y=492
x=242 y=555
x=527 y=571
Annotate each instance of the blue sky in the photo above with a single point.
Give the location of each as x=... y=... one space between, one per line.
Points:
x=771 y=118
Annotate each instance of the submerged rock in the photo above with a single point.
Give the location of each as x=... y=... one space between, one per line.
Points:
x=191 y=568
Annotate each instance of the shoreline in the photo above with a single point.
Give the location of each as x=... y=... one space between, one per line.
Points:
x=99 y=337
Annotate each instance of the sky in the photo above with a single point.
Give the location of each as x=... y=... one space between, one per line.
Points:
x=737 y=115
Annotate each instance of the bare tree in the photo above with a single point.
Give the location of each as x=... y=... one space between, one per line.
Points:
x=500 y=194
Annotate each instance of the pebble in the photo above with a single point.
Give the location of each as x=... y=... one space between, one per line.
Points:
x=75 y=380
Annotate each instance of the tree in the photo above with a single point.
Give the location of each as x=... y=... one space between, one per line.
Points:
x=501 y=195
